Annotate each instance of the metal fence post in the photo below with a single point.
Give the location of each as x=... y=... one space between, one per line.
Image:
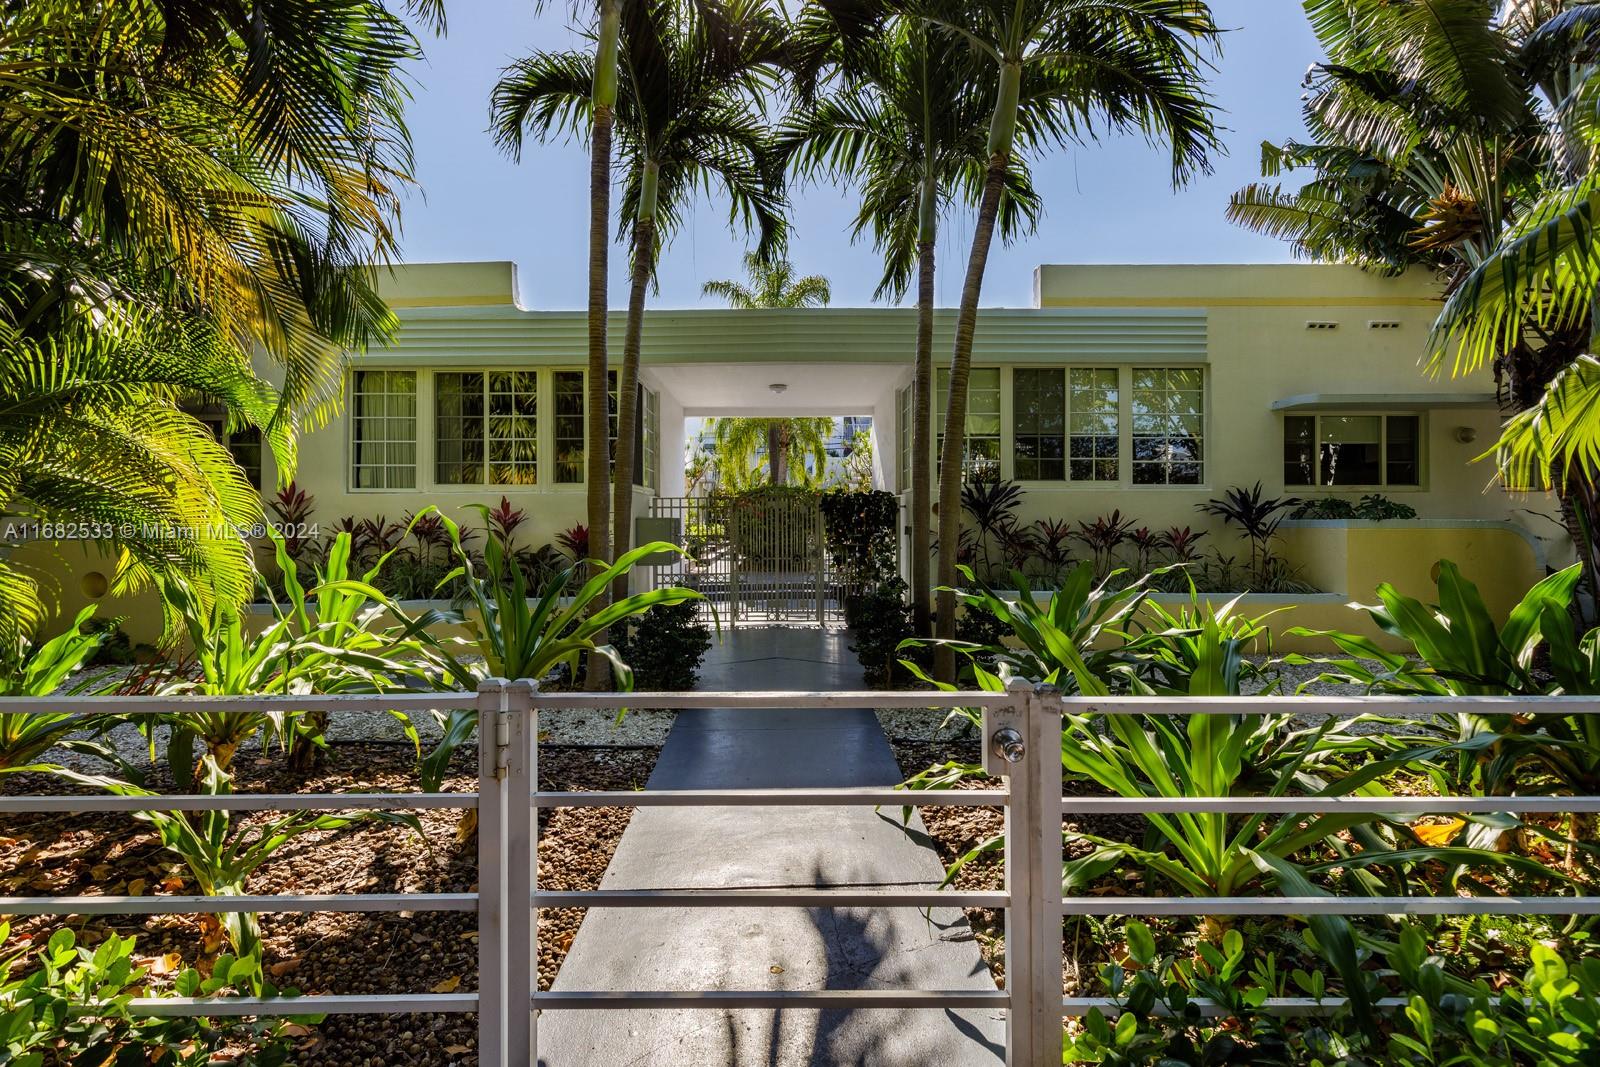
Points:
x=493 y=969
x=522 y=858
x=1024 y=745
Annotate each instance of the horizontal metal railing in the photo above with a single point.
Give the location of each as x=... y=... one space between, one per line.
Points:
x=507 y=800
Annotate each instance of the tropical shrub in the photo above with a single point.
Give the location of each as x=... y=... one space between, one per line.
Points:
x=74 y=1006
x=879 y=621
x=992 y=506
x=1258 y=517
x=861 y=532
x=30 y=669
x=1454 y=648
x=1057 y=643
x=519 y=638
x=1549 y=1015
x=663 y=647
x=1373 y=507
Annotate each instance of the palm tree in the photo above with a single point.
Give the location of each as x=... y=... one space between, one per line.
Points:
x=1431 y=149
x=908 y=123
x=604 y=79
x=1065 y=71
x=187 y=185
x=771 y=285
x=686 y=118
x=788 y=443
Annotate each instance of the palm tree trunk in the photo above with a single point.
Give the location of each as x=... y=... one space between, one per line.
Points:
x=595 y=413
x=1001 y=133
x=778 y=451
x=921 y=428
x=644 y=238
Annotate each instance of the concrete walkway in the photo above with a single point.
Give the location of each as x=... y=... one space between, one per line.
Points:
x=772 y=948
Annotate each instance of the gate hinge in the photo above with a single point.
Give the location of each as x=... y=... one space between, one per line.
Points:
x=502 y=745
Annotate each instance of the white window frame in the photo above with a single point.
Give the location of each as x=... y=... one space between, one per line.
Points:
x=417 y=458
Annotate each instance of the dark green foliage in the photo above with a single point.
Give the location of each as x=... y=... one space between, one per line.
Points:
x=1548 y=1016
x=115 y=648
x=862 y=535
x=664 y=647
x=879 y=619
x=1374 y=507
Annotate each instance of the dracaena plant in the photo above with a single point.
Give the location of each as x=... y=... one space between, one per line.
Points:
x=330 y=638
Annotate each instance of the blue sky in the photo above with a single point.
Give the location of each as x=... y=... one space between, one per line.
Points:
x=1106 y=203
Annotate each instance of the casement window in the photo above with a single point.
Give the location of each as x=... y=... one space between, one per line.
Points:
x=981 y=460
x=383 y=429
x=486 y=428
x=903 y=404
x=1168 y=423
x=646 y=430
x=569 y=440
x=650 y=443
x=244 y=444
x=1065 y=424
x=1352 y=451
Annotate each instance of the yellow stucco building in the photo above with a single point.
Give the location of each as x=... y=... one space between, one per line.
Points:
x=1141 y=389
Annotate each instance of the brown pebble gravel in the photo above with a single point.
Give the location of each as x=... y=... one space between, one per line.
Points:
x=412 y=952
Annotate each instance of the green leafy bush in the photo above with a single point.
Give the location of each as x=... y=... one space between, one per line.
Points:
x=861 y=532
x=30 y=668
x=663 y=647
x=74 y=1007
x=1549 y=1016
x=879 y=621
x=1373 y=507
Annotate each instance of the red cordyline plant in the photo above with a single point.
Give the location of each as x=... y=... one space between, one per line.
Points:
x=504 y=521
x=575 y=541
x=1103 y=537
x=1183 y=543
x=1146 y=543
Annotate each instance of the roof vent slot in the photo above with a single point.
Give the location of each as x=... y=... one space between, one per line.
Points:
x=1383 y=324
x=1321 y=325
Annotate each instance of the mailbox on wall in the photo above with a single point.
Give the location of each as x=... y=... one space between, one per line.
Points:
x=648 y=528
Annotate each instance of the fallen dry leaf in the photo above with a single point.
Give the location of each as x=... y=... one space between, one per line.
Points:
x=447 y=985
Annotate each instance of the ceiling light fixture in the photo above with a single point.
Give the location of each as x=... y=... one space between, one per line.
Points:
x=779 y=387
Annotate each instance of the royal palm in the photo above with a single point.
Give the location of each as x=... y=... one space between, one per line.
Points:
x=1064 y=71
x=686 y=118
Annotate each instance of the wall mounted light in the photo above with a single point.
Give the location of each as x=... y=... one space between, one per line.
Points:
x=779 y=387
x=1466 y=434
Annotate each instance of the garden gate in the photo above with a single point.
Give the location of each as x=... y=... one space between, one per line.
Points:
x=756 y=558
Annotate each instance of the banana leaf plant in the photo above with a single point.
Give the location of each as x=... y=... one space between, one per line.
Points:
x=33 y=669
x=520 y=636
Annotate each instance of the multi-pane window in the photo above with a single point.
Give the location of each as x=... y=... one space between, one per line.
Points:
x=902 y=439
x=644 y=449
x=1039 y=424
x=486 y=428
x=244 y=444
x=1168 y=408
x=1094 y=447
x=569 y=442
x=1352 y=450
x=1064 y=424
x=981 y=460
x=383 y=429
